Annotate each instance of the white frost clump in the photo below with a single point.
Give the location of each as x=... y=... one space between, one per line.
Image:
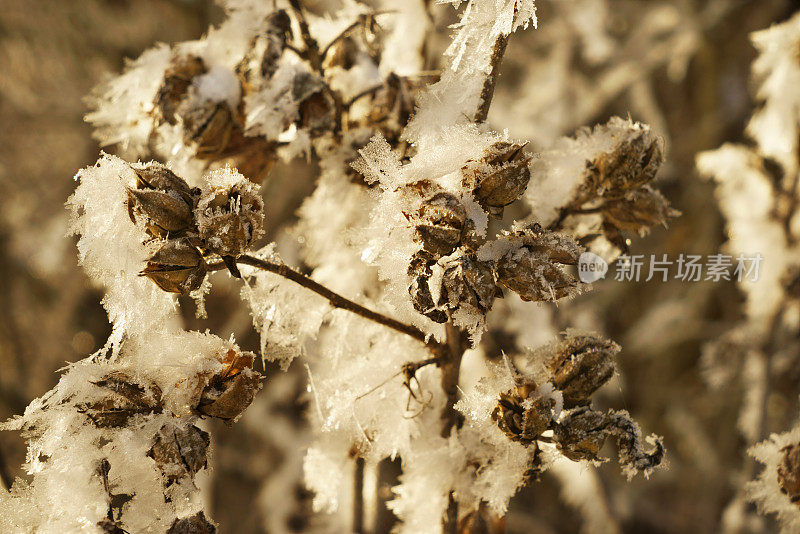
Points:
x=286 y=315
x=112 y=250
x=765 y=491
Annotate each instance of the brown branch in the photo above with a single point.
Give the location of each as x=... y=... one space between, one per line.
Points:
x=487 y=93
x=451 y=418
x=312 y=48
x=358 y=497
x=336 y=300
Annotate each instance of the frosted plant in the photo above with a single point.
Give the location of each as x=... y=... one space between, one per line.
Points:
x=757 y=192
x=428 y=233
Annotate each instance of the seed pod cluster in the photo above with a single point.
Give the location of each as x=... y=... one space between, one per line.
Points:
x=216 y=128
x=615 y=185
x=530 y=263
x=499 y=178
x=576 y=367
x=789 y=472
x=228 y=392
x=223 y=220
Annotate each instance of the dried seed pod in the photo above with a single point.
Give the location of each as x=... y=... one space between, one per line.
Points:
x=121 y=398
x=467 y=281
x=499 y=178
x=261 y=60
x=163 y=200
x=523 y=414
x=177 y=267
x=530 y=263
x=230 y=218
x=207 y=125
x=420 y=271
x=342 y=54
x=440 y=222
x=789 y=472
x=580 y=365
x=196 y=524
x=638 y=210
x=177 y=80
x=632 y=163
x=581 y=434
x=230 y=391
x=315 y=107
x=179 y=450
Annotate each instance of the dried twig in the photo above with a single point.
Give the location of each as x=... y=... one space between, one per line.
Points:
x=487 y=93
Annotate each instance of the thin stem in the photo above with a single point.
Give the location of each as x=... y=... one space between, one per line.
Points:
x=358 y=497
x=336 y=300
x=487 y=93
x=456 y=344
x=5 y=476
x=312 y=48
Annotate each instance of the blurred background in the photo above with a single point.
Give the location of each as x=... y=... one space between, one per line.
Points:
x=682 y=66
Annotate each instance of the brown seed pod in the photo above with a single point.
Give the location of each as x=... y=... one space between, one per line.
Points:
x=789 y=473
x=439 y=223
x=230 y=391
x=120 y=398
x=581 y=434
x=420 y=271
x=230 y=218
x=638 y=210
x=207 y=125
x=467 y=281
x=580 y=365
x=163 y=201
x=177 y=267
x=261 y=60
x=522 y=414
x=196 y=524
x=315 y=107
x=177 y=80
x=632 y=163
x=499 y=178
x=530 y=263
x=179 y=451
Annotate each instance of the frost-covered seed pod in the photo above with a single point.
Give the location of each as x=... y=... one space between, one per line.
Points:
x=196 y=524
x=468 y=281
x=500 y=177
x=789 y=472
x=420 y=271
x=522 y=414
x=179 y=450
x=439 y=223
x=638 y=210
x=315 y=106
x=342 y=54
x=632 y=163
x=531 y=263
x=177 y=267
x=261 y=60
x=177 y=80
x=163 y=200
x=580 y=365
x=581 y=434
x=229 y=392
x=229 y=218
x=119 y=399
x=207 y=125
